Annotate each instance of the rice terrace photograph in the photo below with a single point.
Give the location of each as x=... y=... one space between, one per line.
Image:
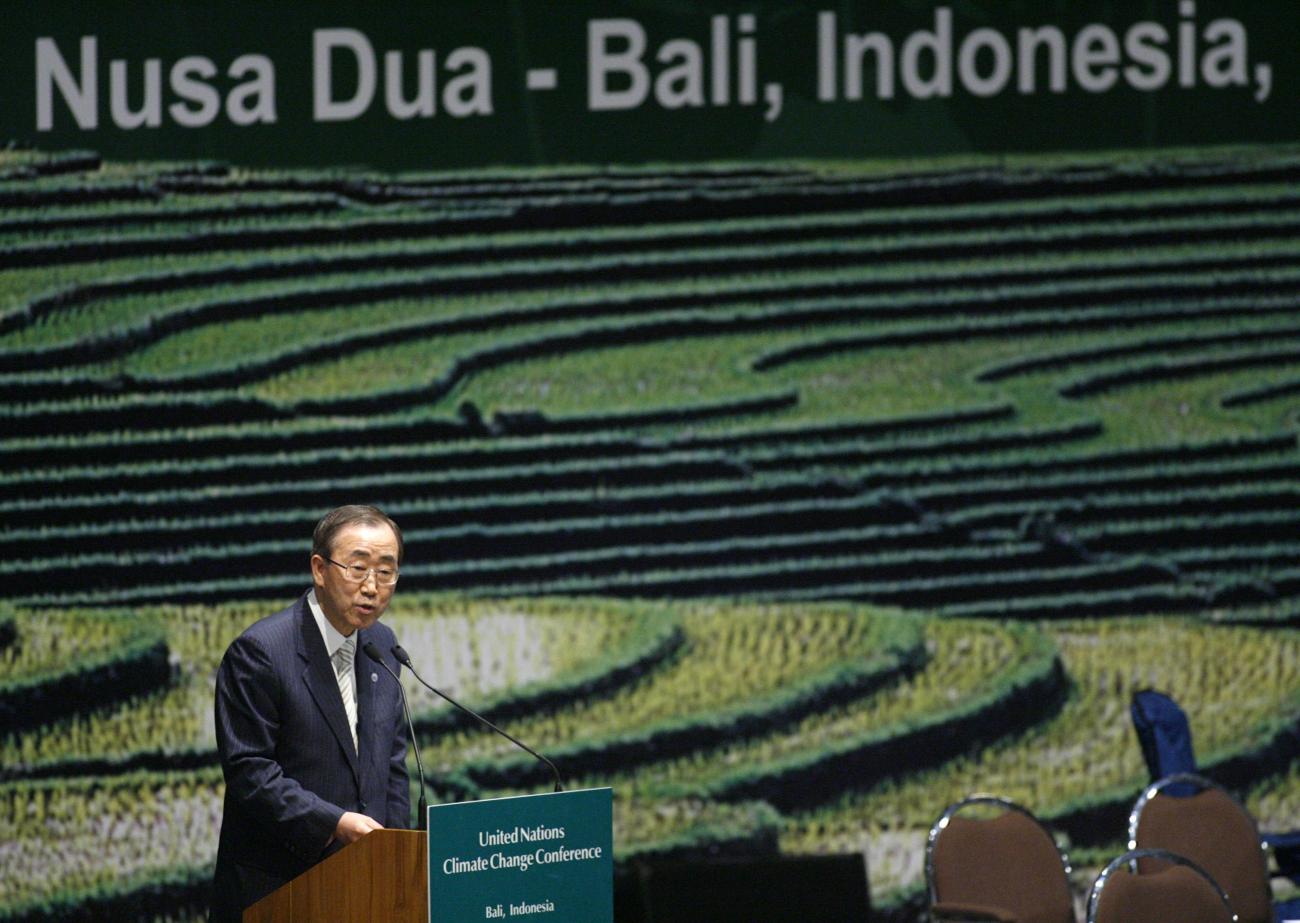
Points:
x=746 y=461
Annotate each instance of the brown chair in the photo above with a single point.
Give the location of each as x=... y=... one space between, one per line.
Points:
x=1212 y=829
x=1179 y=892
x=1004 y=868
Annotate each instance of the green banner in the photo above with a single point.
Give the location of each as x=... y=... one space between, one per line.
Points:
x=535 y=856
x=451 y=84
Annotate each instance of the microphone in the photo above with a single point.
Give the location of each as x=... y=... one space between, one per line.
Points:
x=405 y=660
x=422 y=807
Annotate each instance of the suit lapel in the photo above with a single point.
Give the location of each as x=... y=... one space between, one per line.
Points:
x=323 y=685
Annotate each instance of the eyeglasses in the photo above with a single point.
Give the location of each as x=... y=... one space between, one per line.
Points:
x=358 y=573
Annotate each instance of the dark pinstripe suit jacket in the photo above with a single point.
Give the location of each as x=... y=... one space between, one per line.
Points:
x=287 y=754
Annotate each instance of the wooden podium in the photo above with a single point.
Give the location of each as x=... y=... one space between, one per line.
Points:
x=381 y=878
x=551 y=853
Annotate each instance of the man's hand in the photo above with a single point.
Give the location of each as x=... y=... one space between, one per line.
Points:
x=352 y=827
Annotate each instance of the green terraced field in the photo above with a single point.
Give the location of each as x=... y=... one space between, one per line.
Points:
x=969 y=669
x=701 y=454
x=739 y=669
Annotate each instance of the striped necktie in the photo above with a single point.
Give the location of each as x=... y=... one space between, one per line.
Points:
x=343 y=658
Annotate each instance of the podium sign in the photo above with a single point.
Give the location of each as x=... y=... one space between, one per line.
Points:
x=529 y=859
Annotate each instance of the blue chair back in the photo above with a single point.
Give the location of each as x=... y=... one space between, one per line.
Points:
x=1165 y=738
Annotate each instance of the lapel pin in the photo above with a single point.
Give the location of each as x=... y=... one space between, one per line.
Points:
x=374 y=677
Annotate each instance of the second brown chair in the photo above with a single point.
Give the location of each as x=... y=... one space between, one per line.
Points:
x=1004 y=868
x=1180 y=891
